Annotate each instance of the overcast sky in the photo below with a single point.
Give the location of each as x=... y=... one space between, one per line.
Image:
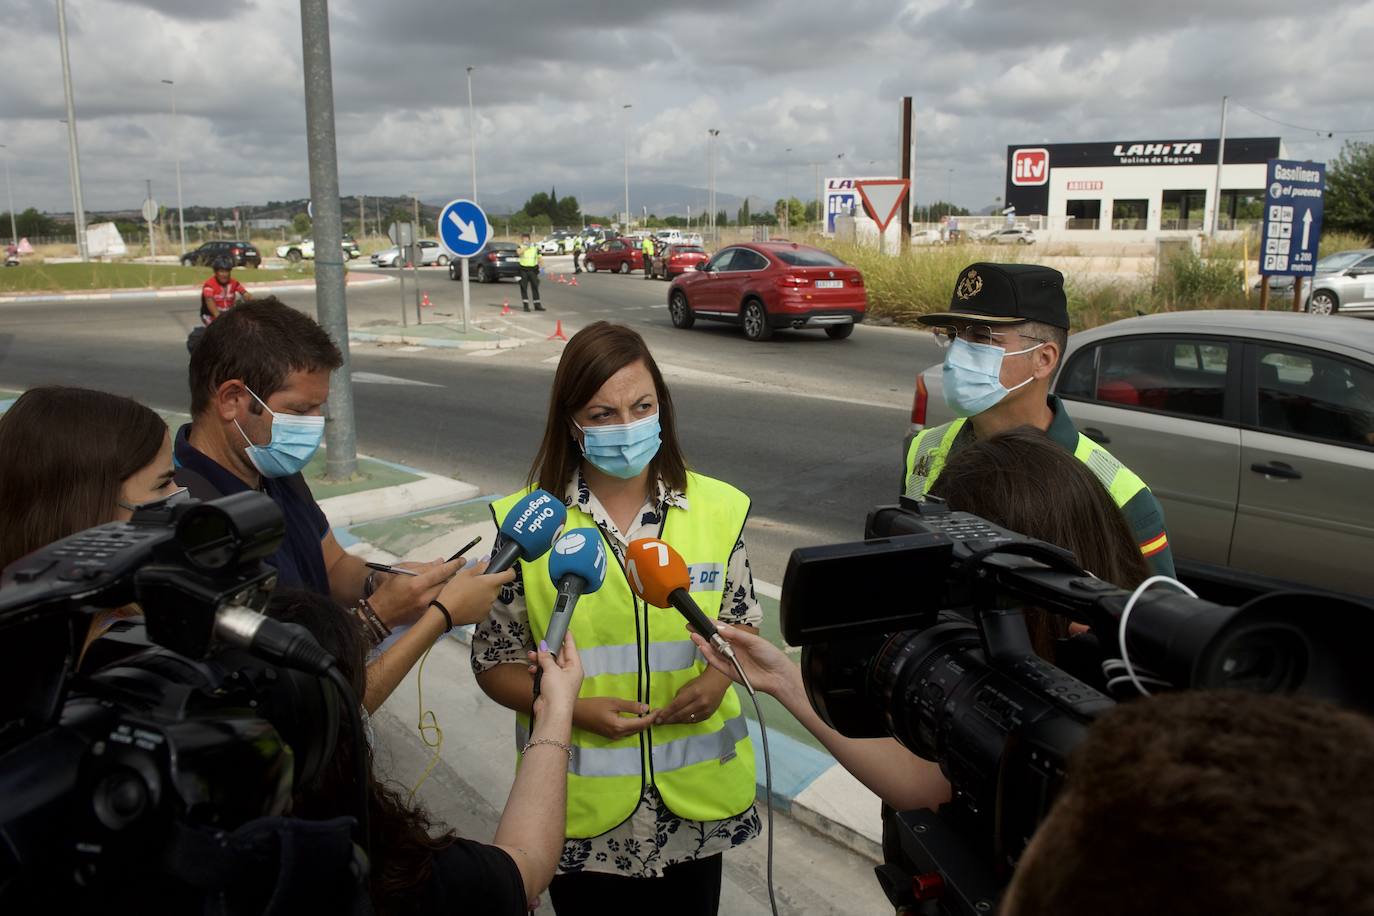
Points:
x=815 y=76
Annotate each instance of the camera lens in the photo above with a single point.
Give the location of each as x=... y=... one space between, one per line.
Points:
x=1265 y=658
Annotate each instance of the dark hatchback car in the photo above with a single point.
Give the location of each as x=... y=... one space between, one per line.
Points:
x=494 y=261
x=243 y=254
x=763 y=286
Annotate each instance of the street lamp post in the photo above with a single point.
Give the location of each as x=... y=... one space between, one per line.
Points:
x=74 y=158
x=712 y=141
x=9 y=192
x=176 y=146
x=625 y=124
x=472 y=135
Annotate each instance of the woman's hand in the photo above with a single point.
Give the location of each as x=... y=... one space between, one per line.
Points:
x=612 y=717
x=769 y=670
x=469 y=595
x=696 y=700
x=559 y=683
x=404 y=599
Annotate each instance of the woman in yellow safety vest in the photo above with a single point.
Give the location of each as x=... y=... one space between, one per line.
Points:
x=661 y=776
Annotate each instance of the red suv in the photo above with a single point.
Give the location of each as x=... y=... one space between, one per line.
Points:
x=768 y=285
x=619 y=256
x=672 y=260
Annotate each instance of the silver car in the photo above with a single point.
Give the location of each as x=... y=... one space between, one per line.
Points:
x=430 y=255
x=1255 y=430
x=1346 y=285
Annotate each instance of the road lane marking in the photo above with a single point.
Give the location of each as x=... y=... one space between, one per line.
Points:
x=376 y=378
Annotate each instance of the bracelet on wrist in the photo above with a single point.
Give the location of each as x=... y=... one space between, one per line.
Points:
x=372 y=635
x=549 y=741
x=448 y=618
x=373 y=620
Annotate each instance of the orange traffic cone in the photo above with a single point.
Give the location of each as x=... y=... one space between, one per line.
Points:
x=573 y=282
x=558 y=332
x=425 y=303
x=560 y=278
x=505 y=306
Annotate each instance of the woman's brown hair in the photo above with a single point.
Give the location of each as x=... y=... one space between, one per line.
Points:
x=1023 y=481
x=64 y=452
x=592 y=356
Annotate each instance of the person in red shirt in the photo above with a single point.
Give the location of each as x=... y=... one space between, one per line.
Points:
x=220 y=292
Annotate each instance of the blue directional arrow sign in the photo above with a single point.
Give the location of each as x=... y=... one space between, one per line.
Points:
x=1292 y=218
x=463 y=228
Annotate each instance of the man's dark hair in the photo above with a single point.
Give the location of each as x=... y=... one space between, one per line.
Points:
x=260 y=342
x=1206 y=802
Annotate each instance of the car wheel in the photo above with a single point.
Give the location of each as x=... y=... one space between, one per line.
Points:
x=755 y=317
x=680 y=311
x=294 y=256
x=1024 y=241
x=624 y=267
x=839 y=331
x=453 y=272
x=589 y=266
x=1323 y=302
x=442 y=260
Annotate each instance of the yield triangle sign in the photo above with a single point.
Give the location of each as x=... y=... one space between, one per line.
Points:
x=882 y=197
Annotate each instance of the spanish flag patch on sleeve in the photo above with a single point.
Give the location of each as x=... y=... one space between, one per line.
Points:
x=1155 y=545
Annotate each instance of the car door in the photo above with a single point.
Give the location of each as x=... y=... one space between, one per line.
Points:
x=1356 y=286
x=1307 y=461
x=1166 y=406
x=706 y=293
x=739 y=278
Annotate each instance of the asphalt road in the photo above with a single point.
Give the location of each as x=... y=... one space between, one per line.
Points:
x=810 y=428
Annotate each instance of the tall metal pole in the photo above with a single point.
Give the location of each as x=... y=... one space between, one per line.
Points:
x=74 y=158
x=417 y=255
x=714 y=142
x=906 y=142
x=820 y=200
x=362 y=216
x=9 y=192
x=625 y=124
x=1221 y=157
x=472 y=135
x=176 y=146
x=340 y=432
x=152 y=227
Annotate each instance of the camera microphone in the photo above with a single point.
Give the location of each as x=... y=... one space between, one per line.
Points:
x=658 y=575
x=286 y=643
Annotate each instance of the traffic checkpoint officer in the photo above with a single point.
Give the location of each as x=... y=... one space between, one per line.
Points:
x=530 y=261
x=577 y=255
x=1005 y=333
x=647 y=246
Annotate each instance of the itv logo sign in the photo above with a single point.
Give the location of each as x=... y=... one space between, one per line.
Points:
x=1030 y=167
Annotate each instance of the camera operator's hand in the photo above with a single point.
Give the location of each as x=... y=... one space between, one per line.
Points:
x=558 y=685
x=403 y=599
x=468 y=595
x=611 y=717
x=768 y=668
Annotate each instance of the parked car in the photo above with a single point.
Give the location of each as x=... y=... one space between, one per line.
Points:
x=494 y=261
x=430 y=255
x=675 y=259
x=767 y=285
x=1343 y=286
x=243 y=254
x=559 y=242
x=1332 y=263
x=304 y=250
x=927 y=237
x=619 y=256
x=1255 y=430
x=1012 y=235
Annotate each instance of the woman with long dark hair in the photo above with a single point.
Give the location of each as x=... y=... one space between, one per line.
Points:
x=663 y=781
x=413 y=869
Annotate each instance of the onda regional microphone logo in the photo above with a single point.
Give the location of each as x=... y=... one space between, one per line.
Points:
x=1030 y=167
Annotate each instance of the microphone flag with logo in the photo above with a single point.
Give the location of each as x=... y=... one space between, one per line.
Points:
x=658 y=575
x=529 y=530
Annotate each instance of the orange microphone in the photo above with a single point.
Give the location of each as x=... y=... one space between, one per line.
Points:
x=658 y=575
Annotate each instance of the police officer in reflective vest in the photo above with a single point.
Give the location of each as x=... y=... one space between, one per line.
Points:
x=647 y=246
x=577 y=254
x=661 y=779
x=1004 y=334
x=530 y=259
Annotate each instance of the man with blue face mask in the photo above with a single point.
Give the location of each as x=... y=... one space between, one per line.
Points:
x=1004 y=334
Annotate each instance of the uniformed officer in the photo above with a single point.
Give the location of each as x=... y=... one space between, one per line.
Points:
x=647 y=246
x=530 y=260
x=577 y=255
x=1005 y=333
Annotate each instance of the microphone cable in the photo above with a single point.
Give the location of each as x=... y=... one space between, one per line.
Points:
x=767 y=775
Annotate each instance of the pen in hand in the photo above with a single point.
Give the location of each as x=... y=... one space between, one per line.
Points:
x=394 y=570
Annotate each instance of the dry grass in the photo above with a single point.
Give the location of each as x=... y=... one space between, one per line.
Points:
x=1333 y=242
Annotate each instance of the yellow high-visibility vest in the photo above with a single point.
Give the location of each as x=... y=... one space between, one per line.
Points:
x=529 y=256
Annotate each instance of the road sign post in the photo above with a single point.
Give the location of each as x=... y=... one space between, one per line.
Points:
x=150 y=210
x=1293 y=203
x=463 y=231
x=401 y=235
x=882 y=198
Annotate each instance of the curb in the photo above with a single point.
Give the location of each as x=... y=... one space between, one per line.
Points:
x=503 y=343
x=178 y=293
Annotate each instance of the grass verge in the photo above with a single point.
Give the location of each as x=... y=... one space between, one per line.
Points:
x=96 y=277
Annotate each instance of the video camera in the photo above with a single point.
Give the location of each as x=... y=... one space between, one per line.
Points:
x=157 y=771
x=936 y=653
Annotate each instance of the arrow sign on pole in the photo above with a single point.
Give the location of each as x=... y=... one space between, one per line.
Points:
x=463 y=228
x=1306 y=227
x=882 y=198
x=466 y=231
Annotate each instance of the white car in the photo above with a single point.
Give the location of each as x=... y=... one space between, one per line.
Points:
x=431 y=255
x=304 y=250
x=1014 y=235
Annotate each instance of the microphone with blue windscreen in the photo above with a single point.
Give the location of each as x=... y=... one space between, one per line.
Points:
x=528 y=530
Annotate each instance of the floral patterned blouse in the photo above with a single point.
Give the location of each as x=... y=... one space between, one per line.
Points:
x=653 y=837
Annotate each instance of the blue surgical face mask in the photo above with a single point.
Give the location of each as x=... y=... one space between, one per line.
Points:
x=294 y=442
x=973 y=376
x=623 y=450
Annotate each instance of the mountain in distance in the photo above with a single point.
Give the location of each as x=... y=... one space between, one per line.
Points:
x=608 y=198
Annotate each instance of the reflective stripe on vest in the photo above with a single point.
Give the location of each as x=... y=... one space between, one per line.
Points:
x=704 y=771
x=930 y=449
x=529 y=256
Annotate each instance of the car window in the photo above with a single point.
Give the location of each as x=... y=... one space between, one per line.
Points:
x=1171 y=374
x=807 y=257
x=748 y=260
x=1338 y=261
x=615 y=246
x=1321 y=397
x=1366 y=265
x=722 y=260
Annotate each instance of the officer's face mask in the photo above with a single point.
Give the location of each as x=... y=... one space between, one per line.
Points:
x=624 y=449
x=294 y=442
x=973 y=376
